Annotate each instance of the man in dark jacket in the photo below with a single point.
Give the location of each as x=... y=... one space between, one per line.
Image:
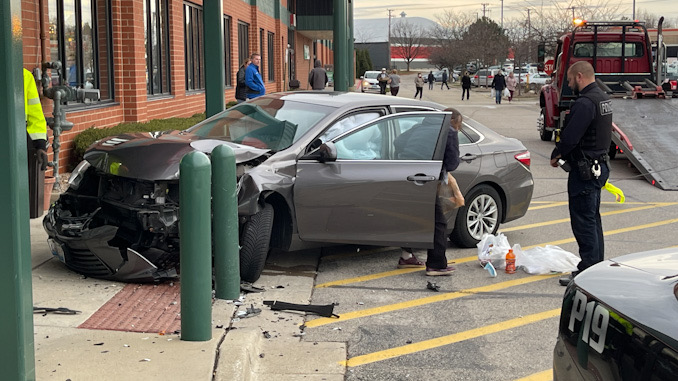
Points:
x=317 y=78
x=431 y=80
x=241 y=86
x=465 y=85
x=584 y=143
x=444 y=80
x=498 y=84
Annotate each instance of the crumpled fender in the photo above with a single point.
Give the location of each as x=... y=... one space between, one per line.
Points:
x=257 y=184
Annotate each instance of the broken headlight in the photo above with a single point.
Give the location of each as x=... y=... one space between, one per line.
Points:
x=78 y=174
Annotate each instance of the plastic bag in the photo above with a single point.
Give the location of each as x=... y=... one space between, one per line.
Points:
x=450 y=195
x=493 y=248
x=493 y=93
x=506 y=93
x=545 y=260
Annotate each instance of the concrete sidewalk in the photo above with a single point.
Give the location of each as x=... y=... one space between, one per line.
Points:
x=264 y=347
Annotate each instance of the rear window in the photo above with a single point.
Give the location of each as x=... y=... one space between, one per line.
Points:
x=608 y=49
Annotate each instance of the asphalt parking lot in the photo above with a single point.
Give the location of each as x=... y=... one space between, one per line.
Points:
x=477 y=327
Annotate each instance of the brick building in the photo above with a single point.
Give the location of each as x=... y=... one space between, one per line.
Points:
x=137 y=60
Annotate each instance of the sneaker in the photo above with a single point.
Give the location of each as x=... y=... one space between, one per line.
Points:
x=410 y=263
x=440 y=272
x=564 y=281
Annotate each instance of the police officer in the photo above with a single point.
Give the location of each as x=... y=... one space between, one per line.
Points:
x=584 y=143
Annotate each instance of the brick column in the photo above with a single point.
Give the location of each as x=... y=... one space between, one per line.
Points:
x=131 y=66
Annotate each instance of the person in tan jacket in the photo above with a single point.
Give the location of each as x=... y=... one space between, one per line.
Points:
x=419 y=84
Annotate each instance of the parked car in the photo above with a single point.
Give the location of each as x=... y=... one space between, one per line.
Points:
x=538 y=80
x=618 y=320
x=313 y=168
x=369 y=81
x=439 y=76
x=483 y=77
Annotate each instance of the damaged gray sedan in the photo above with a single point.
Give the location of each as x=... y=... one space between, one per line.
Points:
x=313 y=168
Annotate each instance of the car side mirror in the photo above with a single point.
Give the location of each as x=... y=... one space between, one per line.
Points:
x=327 y=152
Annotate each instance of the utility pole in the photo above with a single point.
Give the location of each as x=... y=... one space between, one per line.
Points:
x=572 y=12
x=484 y=8
x=389 y=36
x=502 y=14
x=529 y=36
x=634 y=10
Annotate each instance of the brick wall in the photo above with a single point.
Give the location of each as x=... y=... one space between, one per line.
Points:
x=131 y=102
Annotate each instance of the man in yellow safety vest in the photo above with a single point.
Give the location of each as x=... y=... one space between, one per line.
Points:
x=36 y=126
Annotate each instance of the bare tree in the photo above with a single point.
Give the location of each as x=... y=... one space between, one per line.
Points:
x=447 y=47
x=408 y=40
x=651 y=19
x=362 y=35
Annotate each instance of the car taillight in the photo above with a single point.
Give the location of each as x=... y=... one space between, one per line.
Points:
x=490 y=76
x=523 y=158
x=475 y=76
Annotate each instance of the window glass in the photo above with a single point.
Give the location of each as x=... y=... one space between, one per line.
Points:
x=347 y=123
x=418 y=137
x=468 y=135
x=243 y=41
x=193 y=32
x=227 y=50
x=157 y=46
x=271 y=57
x=79 y=37
x=364 y=144
x=608 y=49
x=263 y=123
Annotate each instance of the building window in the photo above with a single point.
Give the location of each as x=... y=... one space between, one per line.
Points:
x=262 y=52
x=80 y=38
x=193 y=48
x=227 y=52
x=243 y=41
x=271 y=57
x=156 y=31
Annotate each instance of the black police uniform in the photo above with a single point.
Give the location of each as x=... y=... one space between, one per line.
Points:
x=584 y=143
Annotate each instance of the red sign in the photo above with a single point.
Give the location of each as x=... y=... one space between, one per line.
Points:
x=548 y=67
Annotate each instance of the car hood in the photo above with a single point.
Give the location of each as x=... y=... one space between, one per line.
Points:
x=641 y=286
x=156 y=155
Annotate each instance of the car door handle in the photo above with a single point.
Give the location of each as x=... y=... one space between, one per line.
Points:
x=421 y=178
x=469 y=157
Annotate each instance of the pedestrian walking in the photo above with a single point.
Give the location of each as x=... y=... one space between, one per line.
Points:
x=241 y=87
x=465 y=85
x=419 y=84
x=255 y=85
x=317 y=78
x=511 y=84
x=444 y=83
x=583 y=145
x=498 y=84
x=383 y=81
x=395 y=82
x=409 y=144
x=431 y=80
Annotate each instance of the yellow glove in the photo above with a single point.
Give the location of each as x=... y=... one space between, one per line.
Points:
x=618 y=193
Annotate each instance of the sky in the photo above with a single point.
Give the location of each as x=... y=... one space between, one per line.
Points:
x=364 y=9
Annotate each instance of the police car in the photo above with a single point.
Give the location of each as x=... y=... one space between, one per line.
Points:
x=619 y=320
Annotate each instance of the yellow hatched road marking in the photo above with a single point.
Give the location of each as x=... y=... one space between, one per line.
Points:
x=427 y=300
x=546 y=375
x=450 y=339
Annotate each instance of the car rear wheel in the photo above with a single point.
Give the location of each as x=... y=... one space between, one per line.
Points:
x=541 y=125
x=255 y=242
x=480 y=215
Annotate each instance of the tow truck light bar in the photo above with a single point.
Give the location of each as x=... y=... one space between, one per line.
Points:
x=583 y=23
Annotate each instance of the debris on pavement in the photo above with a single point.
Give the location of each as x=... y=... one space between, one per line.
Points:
x=249 y=312
x=325 y=310
x=59 y=311
x=249 y=287
x=432 y=286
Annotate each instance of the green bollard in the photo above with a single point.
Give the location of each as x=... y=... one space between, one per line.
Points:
x=196 y=247
x=225 y=224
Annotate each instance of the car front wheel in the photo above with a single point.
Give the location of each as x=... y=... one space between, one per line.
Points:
x=255 y=242
x=480 y=215
x=544 y=134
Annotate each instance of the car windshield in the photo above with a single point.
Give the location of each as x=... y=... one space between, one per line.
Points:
x=371 y=74
x=266 y=123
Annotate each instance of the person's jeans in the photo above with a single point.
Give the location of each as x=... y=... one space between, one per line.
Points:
x=465 y=91
x=584 y=205
x=497 y=96
x=394 y=90
x=420 y=92
x=430 y=85
x=382 y=87
x=436 y=258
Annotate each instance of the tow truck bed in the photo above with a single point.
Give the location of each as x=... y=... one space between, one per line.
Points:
x=647 y=132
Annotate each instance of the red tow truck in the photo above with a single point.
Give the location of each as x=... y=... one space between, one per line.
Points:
x=645 y=115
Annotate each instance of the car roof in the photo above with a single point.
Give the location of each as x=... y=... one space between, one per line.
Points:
x=640 y=286
x=341 y=99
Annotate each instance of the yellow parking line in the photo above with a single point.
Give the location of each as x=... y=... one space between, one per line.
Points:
x=427 y=300
x=546 y=375
x=384 y=274
x=610 y=213
x=450 y=339
x=550 y=205
x=475 y=258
